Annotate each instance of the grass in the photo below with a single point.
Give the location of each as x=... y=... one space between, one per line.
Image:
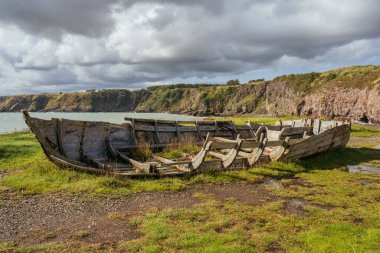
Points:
x=242 y=120
x=35 y=174
x=41 y=176
x=364 y=131
x=358 y=77
x=17 y=150
x=341 y=214
x=340 y=210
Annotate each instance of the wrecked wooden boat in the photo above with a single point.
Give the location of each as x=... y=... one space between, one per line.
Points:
x=116 y=149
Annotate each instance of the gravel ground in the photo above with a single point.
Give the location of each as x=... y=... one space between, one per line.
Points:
x=46 y=218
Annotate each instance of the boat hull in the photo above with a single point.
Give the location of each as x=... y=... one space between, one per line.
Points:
x=106 y=148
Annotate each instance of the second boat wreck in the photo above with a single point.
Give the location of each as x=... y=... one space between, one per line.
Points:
x=108 y=148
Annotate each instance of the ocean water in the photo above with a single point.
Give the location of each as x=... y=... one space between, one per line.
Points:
x=13 y=121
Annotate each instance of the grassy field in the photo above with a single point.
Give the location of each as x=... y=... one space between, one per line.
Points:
x=315 y=205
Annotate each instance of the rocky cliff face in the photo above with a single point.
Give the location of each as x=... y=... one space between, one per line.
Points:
x=337 y=102
x=349 y=92
x=334 y=102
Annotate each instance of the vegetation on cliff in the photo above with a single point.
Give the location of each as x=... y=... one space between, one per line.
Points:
x=359 y=77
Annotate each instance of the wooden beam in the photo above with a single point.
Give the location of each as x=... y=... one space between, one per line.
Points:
x=183 y=166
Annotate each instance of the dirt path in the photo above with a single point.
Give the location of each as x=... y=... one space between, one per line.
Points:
x=46 y=218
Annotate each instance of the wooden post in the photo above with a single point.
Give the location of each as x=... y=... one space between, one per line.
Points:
x=234 y=129
x=133 y=132
x=156 y=136
x=317 y=126
x=177 y=130
x=251 y=132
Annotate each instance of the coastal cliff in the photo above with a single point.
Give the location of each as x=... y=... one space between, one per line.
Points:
x=352 y=92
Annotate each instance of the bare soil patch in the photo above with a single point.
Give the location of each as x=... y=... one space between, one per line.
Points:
x=64 y=218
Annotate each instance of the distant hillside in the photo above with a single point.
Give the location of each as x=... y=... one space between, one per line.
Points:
x=345 y=92
x=105 y=100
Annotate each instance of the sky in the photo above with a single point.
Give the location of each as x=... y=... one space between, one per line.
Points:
x=73 y=45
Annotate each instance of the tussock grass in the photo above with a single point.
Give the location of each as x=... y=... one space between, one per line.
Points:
x=143 y=151
x=176 y=149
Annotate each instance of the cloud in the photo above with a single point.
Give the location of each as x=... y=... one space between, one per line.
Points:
x=53 y=18
x=78 y=44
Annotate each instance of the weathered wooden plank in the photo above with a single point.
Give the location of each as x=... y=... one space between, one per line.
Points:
x=273 y=135
x=63 y=163
x=242 y=127
x=275 y=143
x=206 y=128
x=260 y=133
x=199 y=159
x=222 y=145
x=313 y=140
x=276 y=128
x=308 y=148
x=228 y=159
x=308 y=153
x=278 y=151
x=48 y=128
x=142 y=121
x=216 y=154
x=171 y=128
x=119 y=135
x=59 y=136
x=249 y=144
x=221 y=139
x=70 y=135
x=182 y=166
x=295 y=141
x=256 y=153
x=94 y=140
x=288 y=131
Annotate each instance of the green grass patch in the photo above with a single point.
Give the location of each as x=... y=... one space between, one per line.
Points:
x=17 y=150
x=364 y=131
x=44 y=177
x=368 y=144
x=339 y=238
x=242 y=120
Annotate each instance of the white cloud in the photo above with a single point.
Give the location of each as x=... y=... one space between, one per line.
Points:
x=39 y=56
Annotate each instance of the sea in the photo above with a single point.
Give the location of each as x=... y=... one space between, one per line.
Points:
x=13 y=121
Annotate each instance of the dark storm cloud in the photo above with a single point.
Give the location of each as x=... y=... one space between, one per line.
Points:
x=111 y=43
x=52 y=18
